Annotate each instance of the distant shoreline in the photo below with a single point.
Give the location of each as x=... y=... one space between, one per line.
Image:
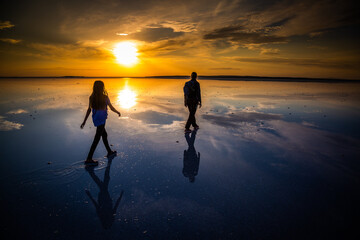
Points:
x=221 y=78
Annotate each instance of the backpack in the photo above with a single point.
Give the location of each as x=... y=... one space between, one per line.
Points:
x=192 y=89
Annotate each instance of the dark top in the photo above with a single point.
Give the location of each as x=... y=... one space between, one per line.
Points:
x=192 y=90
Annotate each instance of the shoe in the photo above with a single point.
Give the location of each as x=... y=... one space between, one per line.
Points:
x=187 y=131
x=111 y=154
x=91 y=162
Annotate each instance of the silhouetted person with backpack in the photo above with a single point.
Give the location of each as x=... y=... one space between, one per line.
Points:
x=192 y=98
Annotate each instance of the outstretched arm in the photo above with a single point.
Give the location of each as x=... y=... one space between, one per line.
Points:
x=87 y=114
x=113 y=109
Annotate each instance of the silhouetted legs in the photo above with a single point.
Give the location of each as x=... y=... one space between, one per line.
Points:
x=191 y=120
x=100 y=132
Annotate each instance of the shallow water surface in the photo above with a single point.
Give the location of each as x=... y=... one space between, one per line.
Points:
x=270 y=160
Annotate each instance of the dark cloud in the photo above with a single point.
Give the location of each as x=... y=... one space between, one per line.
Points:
x=155 y=34
x=35 y=21
x=225 y=68
x=167 y=45
x=210 y=29
x=67 y=51
x=232 y=120
x=280 y=22
x=303 y=17
x=306 y=62
x=241 y=35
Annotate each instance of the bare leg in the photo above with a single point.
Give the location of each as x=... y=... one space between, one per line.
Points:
x=105 y=140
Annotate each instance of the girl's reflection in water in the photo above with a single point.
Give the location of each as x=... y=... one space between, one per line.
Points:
x=191 y=158
x=104 y=209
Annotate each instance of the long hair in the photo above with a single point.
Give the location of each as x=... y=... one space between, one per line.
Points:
x=98 y=96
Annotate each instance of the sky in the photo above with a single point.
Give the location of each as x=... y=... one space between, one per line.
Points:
x=285 y=38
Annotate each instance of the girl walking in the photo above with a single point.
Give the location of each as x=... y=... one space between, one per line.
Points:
x=98 y=103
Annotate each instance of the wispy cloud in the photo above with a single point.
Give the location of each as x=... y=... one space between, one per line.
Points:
x=241 y=35
x=6 y=24
x=232 y=120
x=155 y=34
x=165 y=46
x=6 y=125
x=10 y=40
x=269 y=51
x=17 y=111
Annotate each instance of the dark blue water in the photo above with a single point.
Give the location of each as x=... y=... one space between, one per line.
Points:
x=270 y=161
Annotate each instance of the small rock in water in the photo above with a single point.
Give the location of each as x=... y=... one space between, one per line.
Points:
x=49 y=162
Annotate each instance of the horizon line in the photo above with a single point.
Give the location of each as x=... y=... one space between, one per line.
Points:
x=210 y=77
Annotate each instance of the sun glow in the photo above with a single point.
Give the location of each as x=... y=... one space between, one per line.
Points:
x=127 y=97
x=126 y=53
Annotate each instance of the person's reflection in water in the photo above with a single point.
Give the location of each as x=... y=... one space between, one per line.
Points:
x=104 y=206
x=191 y=158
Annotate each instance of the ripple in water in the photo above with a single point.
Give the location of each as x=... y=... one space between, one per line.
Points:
x=60 y=175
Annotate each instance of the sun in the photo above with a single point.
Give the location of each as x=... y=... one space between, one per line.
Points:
x=126 y=53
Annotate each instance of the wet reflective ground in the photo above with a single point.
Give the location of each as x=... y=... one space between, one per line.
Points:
x=271 y=160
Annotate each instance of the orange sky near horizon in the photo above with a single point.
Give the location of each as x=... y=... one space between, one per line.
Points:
x=263 y=38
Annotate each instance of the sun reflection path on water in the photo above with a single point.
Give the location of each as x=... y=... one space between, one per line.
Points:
x=127 y=97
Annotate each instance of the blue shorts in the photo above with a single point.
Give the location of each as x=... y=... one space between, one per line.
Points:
x=99 y=117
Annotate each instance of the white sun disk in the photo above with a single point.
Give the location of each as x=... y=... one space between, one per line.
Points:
x=126 y=53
